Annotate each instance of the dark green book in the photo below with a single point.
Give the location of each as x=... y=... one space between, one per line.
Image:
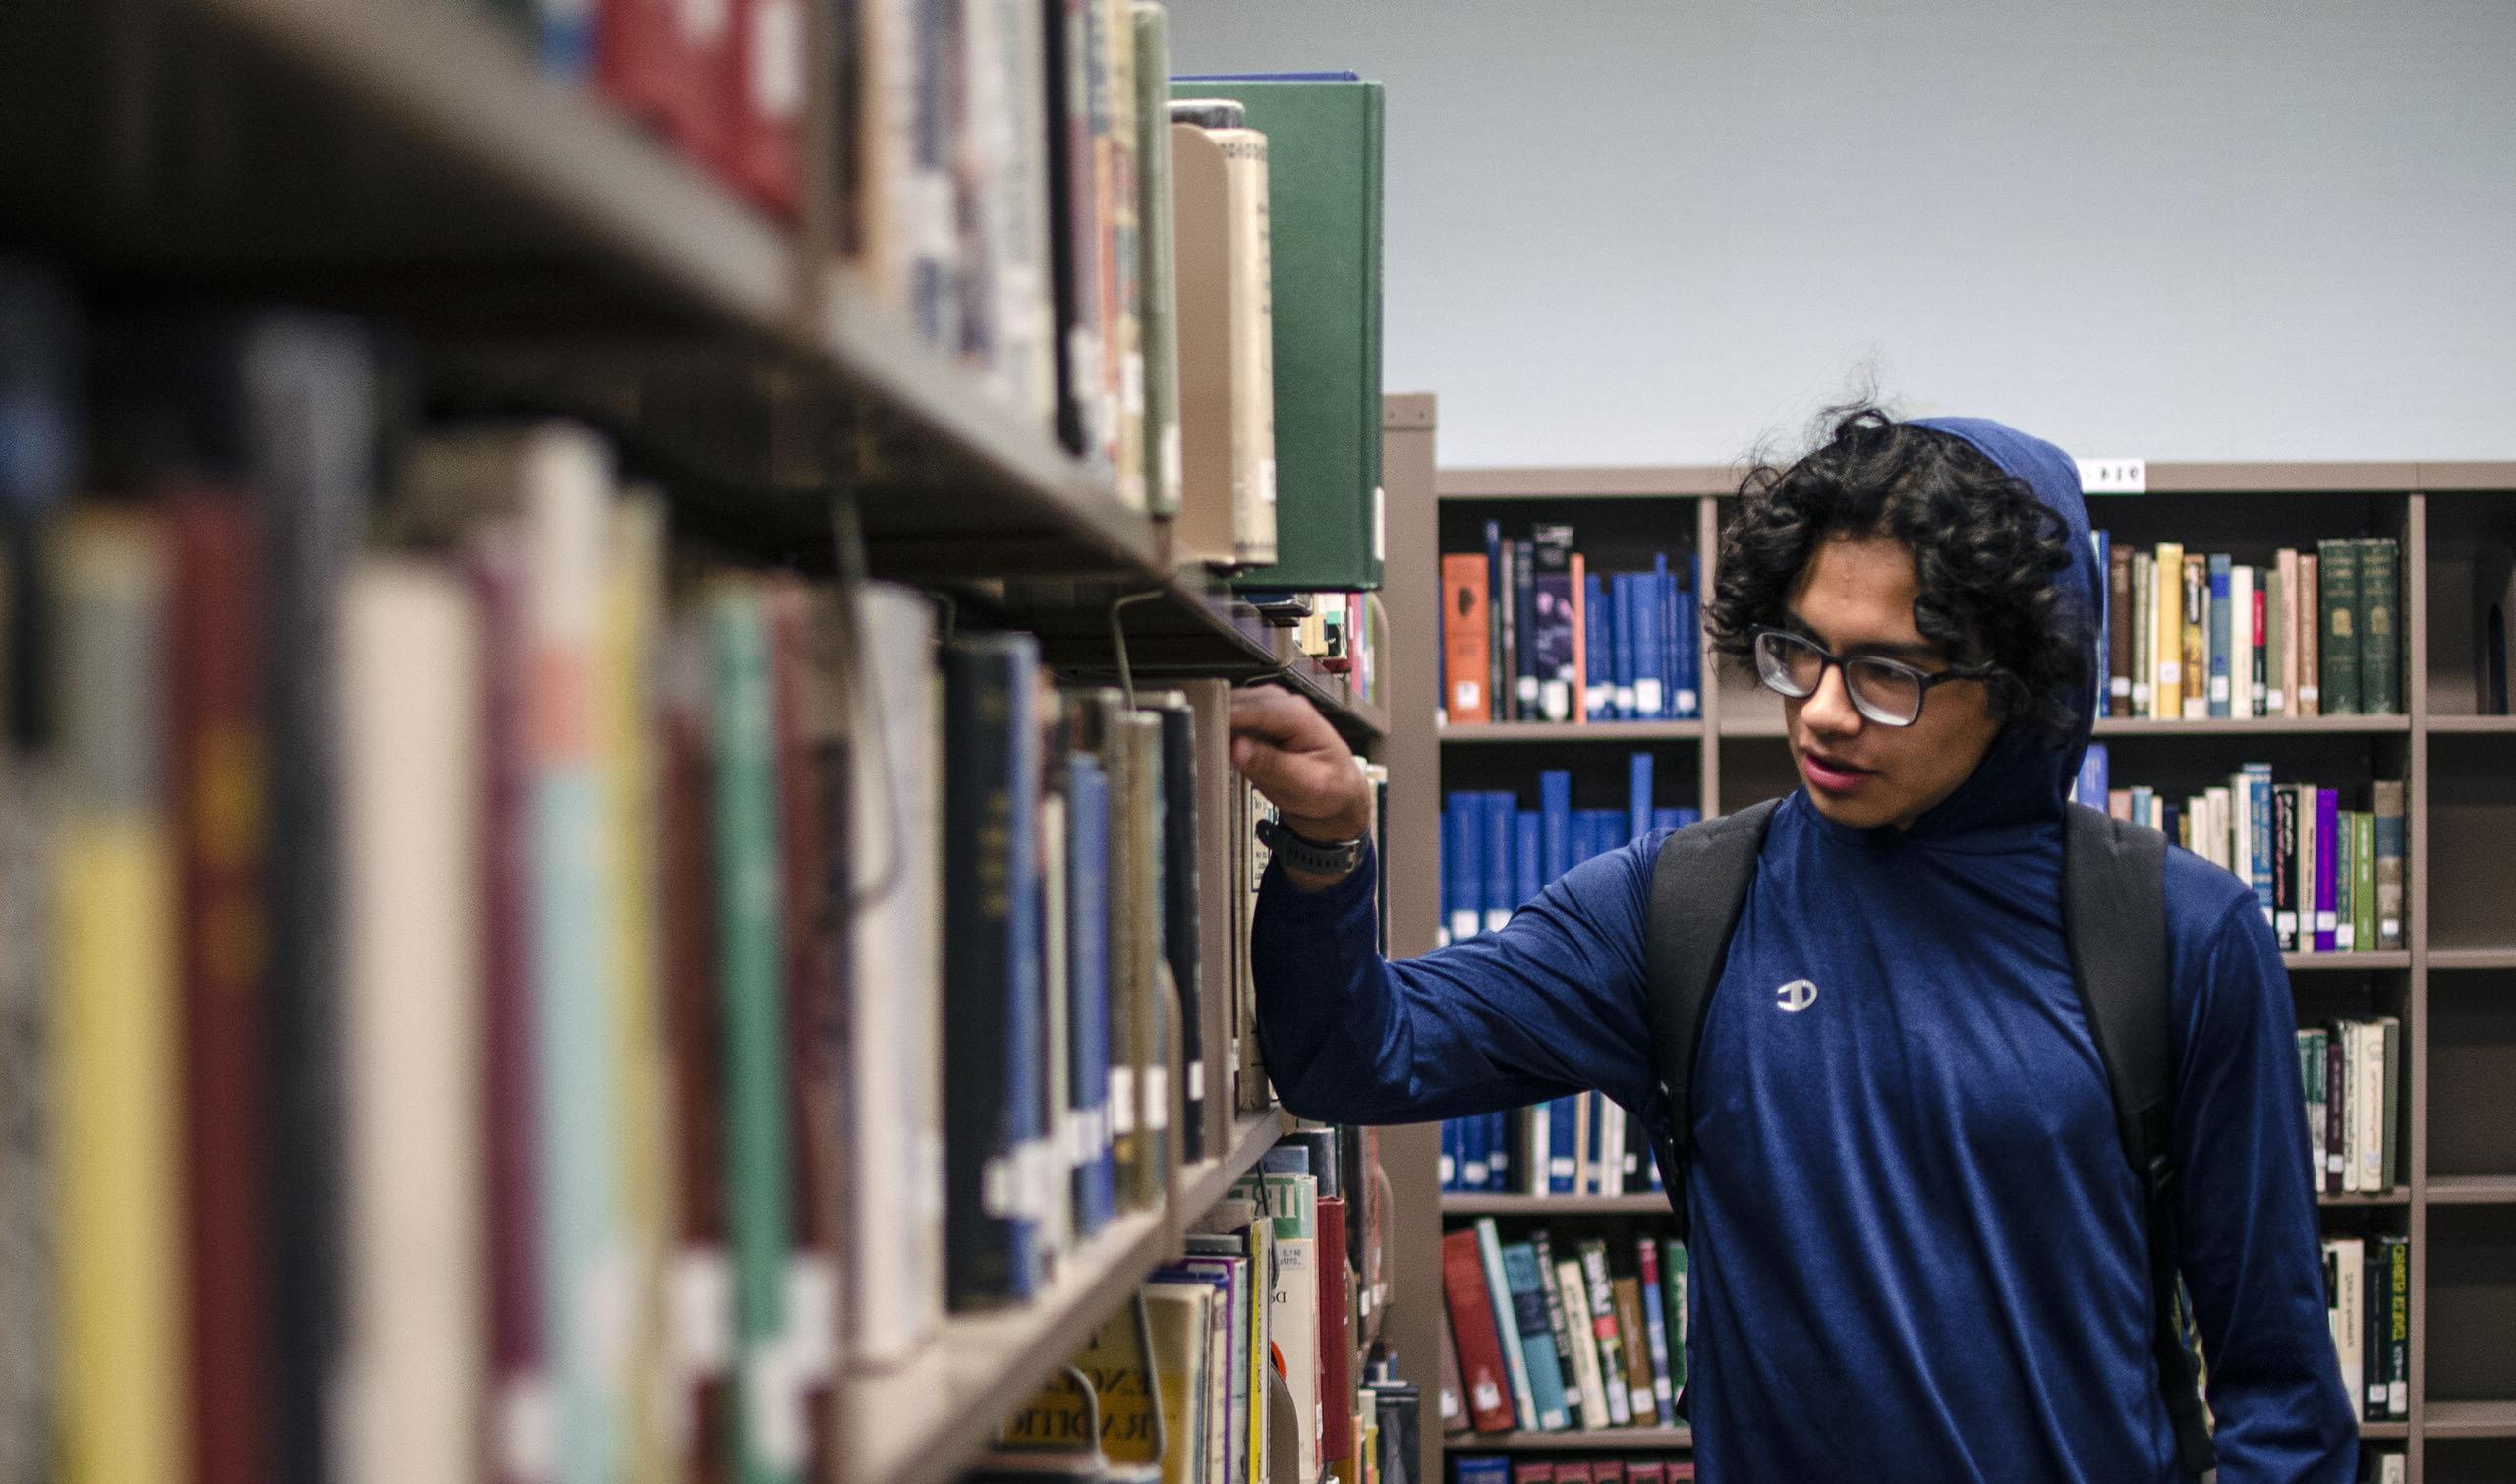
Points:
x=2338 y=582
x=2380 y=623
x=1323 y=220
x=2363 y=880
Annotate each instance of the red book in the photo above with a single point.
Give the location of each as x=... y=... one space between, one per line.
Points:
x=646 y=67
x=220 y=813
x=1644 y=1472
x=1680 y=1473
x=518 y=1356
x=1480 y=1349
x=1607 y=1471
x=812 y=995
x=700 y=1265
x=766 y=114
x=1572 y=1473
x=1465 y=657
x=1533 y=1473
x=1336 y=1342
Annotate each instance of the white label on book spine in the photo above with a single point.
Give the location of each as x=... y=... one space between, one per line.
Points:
x=2140 y=693
x=2274 y=701
x=1463 y=696
x=1646 y=696
x=2397 y=1398
x=1122 y=1100
x=1554 y=699
x=1624 y=701
x=702 y=1310
x=777 y=58
x=1132 y=384
x=1488 y=1397
x=1478 y=1174
x=1526 y=687
x=2307 y=692
x=1000 y=1189
x=1462 y=926
x=2286 y=925
x=776 y=1403
x=1687 y=703
x=2390 y=928
x=1449 y=1169
x=2344 y=938
x=2120 y=686
x=1495 y=918
x=1450 y=1405
x=1174 y=466
x=2218 y=687
x=2325 y=922
x=1379 y=524
x=2170 y=672
x=1267 y=480
x=1196 y=1081
x=528 y=1425
x=812 y=1309
x=1560 y=1167
x=1157 y=1098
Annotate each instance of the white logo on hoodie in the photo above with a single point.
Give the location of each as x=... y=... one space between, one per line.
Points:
x=1796 y=995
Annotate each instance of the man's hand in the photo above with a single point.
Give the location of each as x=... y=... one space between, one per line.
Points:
x=1291 y=754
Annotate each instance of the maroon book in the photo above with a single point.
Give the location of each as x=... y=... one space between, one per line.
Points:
x=1607 y=1471
x=221 y=814
x=765 y=113
x=1533 y=1473
x=1336 y=1342
x=1575 y=1472
x=698 y=1090
x=1480 y=1347
x=519 y=1353
x=1644 y=1472
x=648 y=66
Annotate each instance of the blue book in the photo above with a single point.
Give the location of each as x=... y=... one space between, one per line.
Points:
x=1536 y=1335
x=1664 y=629
x=2094 y=777
x=1528 y=858
x=1604 y=827
x=1620 y=643
x=1087 y=833
x=1555 y=809
x=1450 y=1153
x=1563 y=1154
x=1500 y=837
x=1491 y=1468
x=1463 y=865
x=1498 y=1151
x=1655 y=1324
x=991 y=1007
x=1650 y=693
x=1675 y=819
x=2220 y=635
x=2257 y=860
x=1524 y=626
x=1497 y=683
x=1598 y=649
x=1689 y=658
x=1471 y=1153
x=2104 y=542
x=1638 y=775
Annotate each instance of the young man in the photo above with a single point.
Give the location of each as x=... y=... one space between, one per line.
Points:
x=1919 y=1249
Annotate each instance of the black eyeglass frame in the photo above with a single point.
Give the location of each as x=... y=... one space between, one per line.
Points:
x=1922 y=679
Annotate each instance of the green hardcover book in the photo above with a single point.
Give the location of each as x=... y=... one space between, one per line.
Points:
x=2389 y=1138
x=2345 y=882
x=2387 y=795
x=1323 y=220
x=1158 y=331
x=2338 y=684
x=2380 y=615
x=749 y=958
x=2362 y=880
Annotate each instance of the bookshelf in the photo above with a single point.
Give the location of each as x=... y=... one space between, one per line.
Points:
x=409 y=163
x=2454 y=983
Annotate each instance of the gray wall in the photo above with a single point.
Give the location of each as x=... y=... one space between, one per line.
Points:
x=1621 y=232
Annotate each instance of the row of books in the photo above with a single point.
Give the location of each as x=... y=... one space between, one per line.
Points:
x=1580 y=1144
x=1530 y=632
x=1497 y=1470
x=1190 y=296
x=471 y=922
x=2330 y=880
x=2367 y=1283
x=1273 y=1294
x=2352 y=1070
x=1497 y=855
x=2195 y=636
x=1564 y=1341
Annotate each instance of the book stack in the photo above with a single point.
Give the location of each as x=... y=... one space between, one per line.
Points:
x=1272 y=1295
x=2367 y=1303
x=1582 y=1339
x=1531 y=632
x=492 y=963
x=2196 y=636
x=2330 y=878
x=1579 y=1144
x=1498 y=855
x=1666 y=1468
x=2352 y=1070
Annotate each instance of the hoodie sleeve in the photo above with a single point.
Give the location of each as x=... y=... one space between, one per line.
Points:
x=2249 y=1237
x=1550 y=1004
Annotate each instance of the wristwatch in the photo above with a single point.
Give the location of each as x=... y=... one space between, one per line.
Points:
x=1305 y=854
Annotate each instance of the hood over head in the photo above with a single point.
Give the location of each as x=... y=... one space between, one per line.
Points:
x=2026 y=777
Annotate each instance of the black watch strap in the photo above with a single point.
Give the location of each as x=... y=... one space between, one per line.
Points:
x=1303 y=853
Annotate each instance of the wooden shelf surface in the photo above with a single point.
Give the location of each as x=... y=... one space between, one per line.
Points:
x=2385 y=1432
x=2472 y=958
x=2398 y=1196
x=2460 y=725
x=1481 y=732
x=2468 y=1419
x=1493 y=1203
x=2472 y=1191
x=1578 y=1438
x=2252 y=726
x=2346 y=964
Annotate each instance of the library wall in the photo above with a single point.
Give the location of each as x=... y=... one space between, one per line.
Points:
x=1686 y=227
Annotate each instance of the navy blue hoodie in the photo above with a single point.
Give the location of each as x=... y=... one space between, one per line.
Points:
x=1917 y=1249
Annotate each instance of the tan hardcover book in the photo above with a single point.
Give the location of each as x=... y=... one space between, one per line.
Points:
x=1582 y=1325
x=1640 y=1392
x=2166 y=590
x=2306 y=626
x=415 y=1344
x=1227 y=346
x=1121 y=219
x=2196 y=637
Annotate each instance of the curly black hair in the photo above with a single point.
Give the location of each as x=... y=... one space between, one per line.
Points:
x=1986 y=554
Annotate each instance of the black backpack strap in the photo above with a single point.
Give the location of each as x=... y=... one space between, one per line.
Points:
x=2114 y=915
x=1697 y=887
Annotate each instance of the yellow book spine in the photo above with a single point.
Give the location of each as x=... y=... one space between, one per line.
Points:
x=118 y=1236
x=2166 y=697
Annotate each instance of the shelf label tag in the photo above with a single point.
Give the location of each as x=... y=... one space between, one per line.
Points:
x=2113 y=476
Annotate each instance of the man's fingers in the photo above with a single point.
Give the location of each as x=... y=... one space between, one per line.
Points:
x=1273 y=713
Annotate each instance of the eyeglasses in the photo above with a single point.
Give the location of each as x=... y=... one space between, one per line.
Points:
x=1886 y=691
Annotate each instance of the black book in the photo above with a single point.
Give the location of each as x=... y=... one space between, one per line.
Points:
x=1180 y=884
x=1074 y=228
x=993 y=1063
x=1401 y=1410
x=1504 y=604
x=2284 y=868
x=1524 y=681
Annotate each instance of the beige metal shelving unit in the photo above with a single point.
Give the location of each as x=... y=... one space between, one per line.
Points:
x=2454 y=985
